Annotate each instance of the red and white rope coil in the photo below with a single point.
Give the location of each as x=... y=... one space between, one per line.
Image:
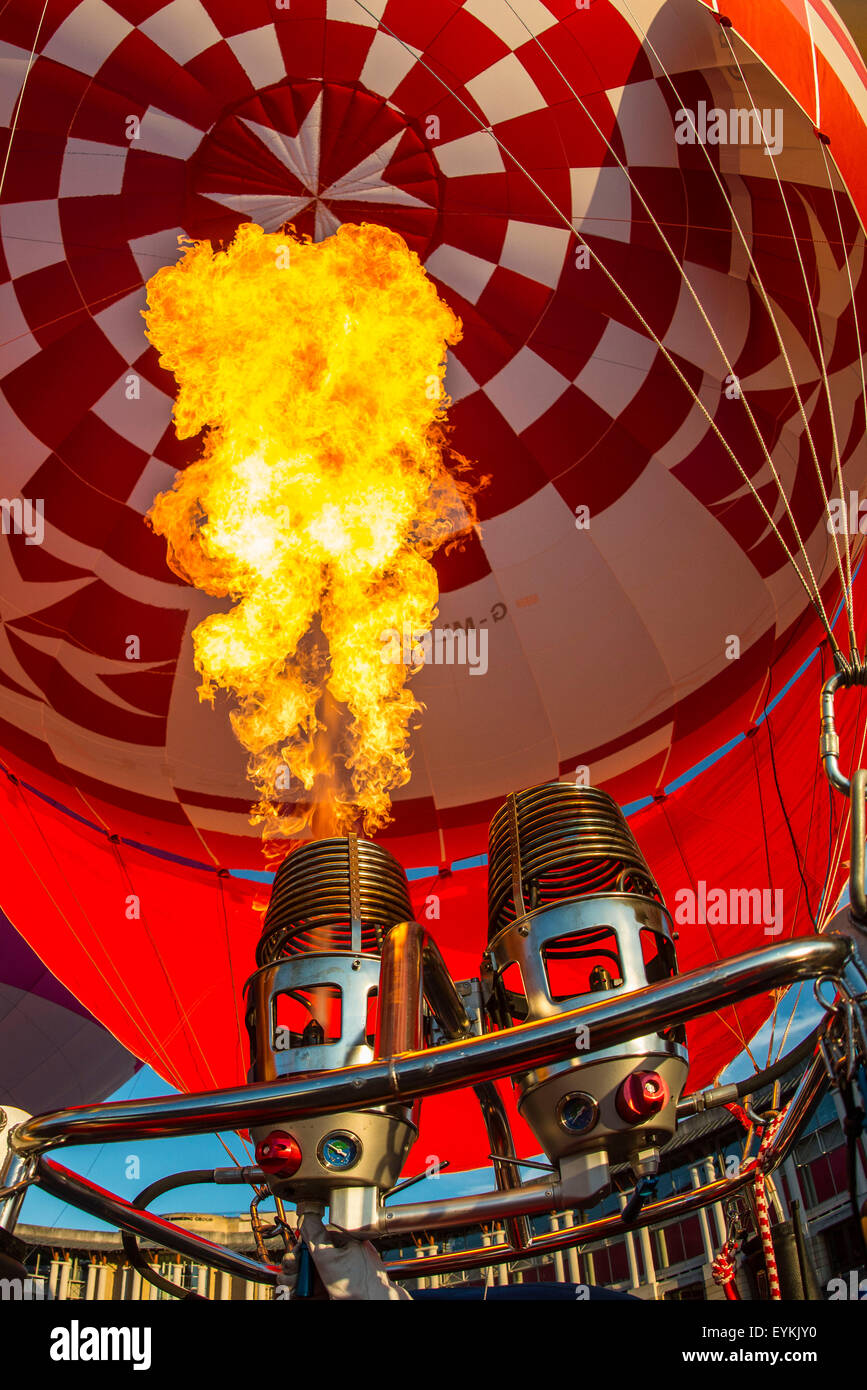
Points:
x=763 y=1213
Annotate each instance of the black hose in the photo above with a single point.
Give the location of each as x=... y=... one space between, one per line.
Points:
x=193 y=1177
x=750 y=1084
x=644 y=1188
x=736 y=1090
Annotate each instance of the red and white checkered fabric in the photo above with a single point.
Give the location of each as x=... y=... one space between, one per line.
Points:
x=141 y=122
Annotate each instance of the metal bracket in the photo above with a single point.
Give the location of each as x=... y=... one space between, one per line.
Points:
x=829 y=742
x=856 y=790
x=515 y=851
x=354 y=893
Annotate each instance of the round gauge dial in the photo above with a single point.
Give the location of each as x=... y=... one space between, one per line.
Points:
x=578 y=1112
x=339 y=1151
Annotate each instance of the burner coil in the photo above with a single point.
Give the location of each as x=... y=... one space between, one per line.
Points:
x=558 y=842
x=341 y=894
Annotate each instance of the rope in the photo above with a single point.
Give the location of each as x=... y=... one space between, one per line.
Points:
x=763 y=1217
x=814 y=598
x=723 y=1270
x=849 y=275
x=739 y=1114
x=716 y=340
x=766 y=301
x=20 y=98
x=763 y=1214
x=847 y=593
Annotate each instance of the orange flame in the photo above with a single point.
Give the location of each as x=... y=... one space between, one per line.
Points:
x=319 y=498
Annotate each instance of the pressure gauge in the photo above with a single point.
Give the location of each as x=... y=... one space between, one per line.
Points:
x=339 y=1151
x=577 y=1112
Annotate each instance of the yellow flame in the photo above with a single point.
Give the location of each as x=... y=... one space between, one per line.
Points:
x=319 y=498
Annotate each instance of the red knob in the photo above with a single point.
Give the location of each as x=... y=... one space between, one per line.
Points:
x=641 y=1096
x=279 y=1154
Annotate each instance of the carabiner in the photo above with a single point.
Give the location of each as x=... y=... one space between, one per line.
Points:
x=829 y=742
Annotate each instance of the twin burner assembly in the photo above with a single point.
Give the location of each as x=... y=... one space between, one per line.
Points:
x=346 y=976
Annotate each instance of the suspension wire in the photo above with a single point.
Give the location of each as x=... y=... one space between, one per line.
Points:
x=820 y=347
x=186 y=1031
x=788 y=823
x=814 y=598
x=816 y=601
x=791 y=1020
x=760 y=286
x=144 y=1026
x=55 y=1225
x=843 y=828
x=766 y=720
x=836 y=839
x=845 y=579
x=738 y=1032
x=19 y=101
x=762 y=810
x=183 y=1019
x=776 y=993
x=846 y=591
x=848 y=273
x=182 y=1016
x=697 y=301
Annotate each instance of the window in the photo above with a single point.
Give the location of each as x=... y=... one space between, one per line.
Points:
x=681 y=1242
x=843 y=1248
x=307 y=1017
x=821 y=1162
x=658 y=954
x=372 y=1017
x=585 y=962
x=825 y=1177
x=611 y=1264
x=512 y=982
